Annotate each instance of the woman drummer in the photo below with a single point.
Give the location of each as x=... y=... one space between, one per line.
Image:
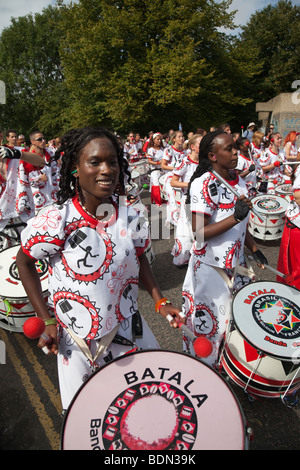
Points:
x=95 y=245
x=220 y=227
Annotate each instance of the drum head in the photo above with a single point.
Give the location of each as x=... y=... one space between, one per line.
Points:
x=154 y=400
x=11 y=286
x=267 y=314
x=269 y=204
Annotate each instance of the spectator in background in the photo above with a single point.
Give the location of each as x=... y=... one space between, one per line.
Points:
x=248 y=134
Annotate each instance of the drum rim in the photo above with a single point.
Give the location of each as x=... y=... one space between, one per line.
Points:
x=260 y=350
x=223 y=379
x=271 y=196
x=5 y=297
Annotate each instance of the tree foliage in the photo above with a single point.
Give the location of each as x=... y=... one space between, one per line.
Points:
x=273 y=35
x=30 y=68
x=150 y=63
x=144 y=64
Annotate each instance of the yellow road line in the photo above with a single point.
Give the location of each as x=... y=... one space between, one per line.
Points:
x=41 y=412
x=46 y=382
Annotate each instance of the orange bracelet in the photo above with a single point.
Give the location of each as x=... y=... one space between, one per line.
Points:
x=161 y=303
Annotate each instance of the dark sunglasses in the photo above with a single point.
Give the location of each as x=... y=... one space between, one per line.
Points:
x=40 y=139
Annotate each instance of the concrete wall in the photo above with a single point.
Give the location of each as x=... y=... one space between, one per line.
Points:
x=283 y=111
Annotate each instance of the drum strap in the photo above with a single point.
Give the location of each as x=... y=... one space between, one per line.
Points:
x=102 y=346
x=247 y=272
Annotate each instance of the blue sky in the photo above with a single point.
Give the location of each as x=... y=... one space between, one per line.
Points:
x=16 y=8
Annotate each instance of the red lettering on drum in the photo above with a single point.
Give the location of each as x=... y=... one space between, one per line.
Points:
x=278 y=343
x=255 y=294
x=12 y=282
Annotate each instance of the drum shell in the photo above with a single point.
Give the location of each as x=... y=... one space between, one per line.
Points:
x=207 y=430
x=163 y=192
x=271 y=228
x=15 y=307
x=272 y=377
x=285 y=191
x=142 y=168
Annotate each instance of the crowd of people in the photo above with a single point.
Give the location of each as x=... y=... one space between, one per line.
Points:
x=64 y=197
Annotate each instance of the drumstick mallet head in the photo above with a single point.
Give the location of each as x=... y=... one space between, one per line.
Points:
x=34 y=328
x=202 y=346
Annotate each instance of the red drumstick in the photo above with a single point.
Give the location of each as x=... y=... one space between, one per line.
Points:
x=202 y=345
x=34 y=328
x=289 y=279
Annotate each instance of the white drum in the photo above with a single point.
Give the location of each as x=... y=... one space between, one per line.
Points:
x=285 y=191
x=135 y=177
x=163 y=192
x=262 y=353
x=15 y=307
x=141 y=167
x=154 y=400
x=273 y=209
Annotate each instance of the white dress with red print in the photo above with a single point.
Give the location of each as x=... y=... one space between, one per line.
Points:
x=15 y=196
x=183 y=230
x=155 y=155
x=276 y=175
x=172 y=157
x=244 y=164
x=93 y=281
x=44 y=182
x=207 y=289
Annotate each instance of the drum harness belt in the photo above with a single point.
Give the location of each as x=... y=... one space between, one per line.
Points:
x=106 y=340
x=238 y=269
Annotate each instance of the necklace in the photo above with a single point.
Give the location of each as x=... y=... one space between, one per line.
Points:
x=85 y=209
x=94 y=216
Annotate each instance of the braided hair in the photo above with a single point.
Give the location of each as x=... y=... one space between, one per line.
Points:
x=72 y=144
x=204 y=165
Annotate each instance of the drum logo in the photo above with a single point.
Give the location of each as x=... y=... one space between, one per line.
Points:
x=129 y=423
x=41 y=268
x=268 y=204
x=278 y=316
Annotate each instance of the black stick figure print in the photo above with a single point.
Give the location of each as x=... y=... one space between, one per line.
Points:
x=88 y=253
x=65 y=308
x=126 y=295
x=224 y=193
x=201 y=316
x=75 y=241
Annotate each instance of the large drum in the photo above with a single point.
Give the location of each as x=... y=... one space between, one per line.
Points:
x=273 y=210
x=141 y=167
x=154 y=400
x=262 y=353
x=15 y=307
x=285 y=191
x=163 y=192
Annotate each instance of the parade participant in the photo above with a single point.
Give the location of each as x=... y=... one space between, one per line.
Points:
x=256 y=146
x=95 y=245
x=155 y=154
x=15 y=197
x=290 y=146
x=289 y=253
x=131 y=150
x=273 y=171
x=173 y=154
x=246 y=166
x=182 y=174
x=266 y=139
x=43 y=182
x=219 y=223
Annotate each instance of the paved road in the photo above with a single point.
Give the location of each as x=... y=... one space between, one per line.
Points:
x=30 y=405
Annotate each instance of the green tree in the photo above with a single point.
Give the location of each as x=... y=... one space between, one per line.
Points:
x=272 y=35
x=30 y=67
x=148 y=63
